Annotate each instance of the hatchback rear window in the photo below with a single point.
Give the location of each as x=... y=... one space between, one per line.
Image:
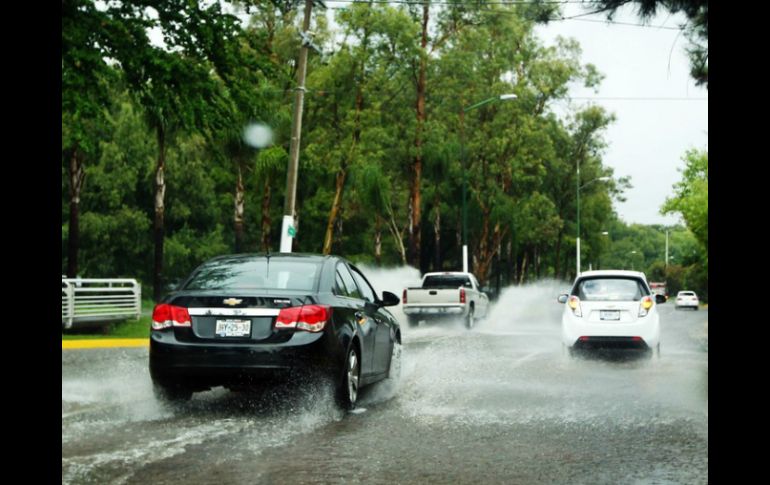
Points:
x=686 y=293
x=255 y=274
x=610 y=289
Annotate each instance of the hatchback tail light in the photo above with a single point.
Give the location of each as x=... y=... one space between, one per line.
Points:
x=645 y=305
x=167 y=316
x=574 y=304
x=403 y=300
x=462 y=295
x=310 y=318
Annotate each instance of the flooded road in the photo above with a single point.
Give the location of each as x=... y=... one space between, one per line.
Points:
x=498 y=404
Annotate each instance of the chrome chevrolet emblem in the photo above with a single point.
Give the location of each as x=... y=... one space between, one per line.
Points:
x=231 y=301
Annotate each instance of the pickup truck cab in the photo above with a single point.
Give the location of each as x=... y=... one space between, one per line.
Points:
x=447 y=295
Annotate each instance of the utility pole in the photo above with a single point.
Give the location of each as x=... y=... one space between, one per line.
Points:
x=288 y=230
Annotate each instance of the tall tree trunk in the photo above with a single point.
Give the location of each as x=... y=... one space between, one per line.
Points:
x=266 y=198
x=415 y=200
x=335 y=209
x=76 y=174
x=239 y=208
x=480 y=256
x=342 y=175
x=158 y=228
x=459 y=242
x=523 y=267
x=557 y=261
x=437 y=233
x=378 y=239
x=508 y=261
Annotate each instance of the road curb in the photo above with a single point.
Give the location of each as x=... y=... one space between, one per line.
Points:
x=104 y=343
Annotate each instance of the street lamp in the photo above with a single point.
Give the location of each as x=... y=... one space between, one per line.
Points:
x=501 y=97
x=577 y=241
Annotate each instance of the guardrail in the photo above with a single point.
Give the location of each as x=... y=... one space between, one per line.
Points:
x=95 y=301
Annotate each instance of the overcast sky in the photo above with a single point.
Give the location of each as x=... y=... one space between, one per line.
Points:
x=650 y=136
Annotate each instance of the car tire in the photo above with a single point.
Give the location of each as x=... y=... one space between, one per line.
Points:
x=654 y=353
x=412 y=321
x=347 y=391
x=470 y=320
x=394 y=370
x=567 y=352
x=171 y=393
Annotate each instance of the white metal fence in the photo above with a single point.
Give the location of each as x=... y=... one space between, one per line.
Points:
x=93 y=301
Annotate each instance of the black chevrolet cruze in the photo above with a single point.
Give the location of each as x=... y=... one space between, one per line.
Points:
x=244 y=320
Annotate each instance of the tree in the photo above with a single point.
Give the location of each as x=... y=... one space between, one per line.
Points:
x=697 y=29
x=173 y=83
x=691 y=197
x=86 y=75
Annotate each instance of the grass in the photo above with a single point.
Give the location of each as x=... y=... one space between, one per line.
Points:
x=126 y=329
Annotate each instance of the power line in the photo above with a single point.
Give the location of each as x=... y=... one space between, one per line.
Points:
x=576 y=17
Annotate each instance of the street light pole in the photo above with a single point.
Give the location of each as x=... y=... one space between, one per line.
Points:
x=577 y=241
x=501 y=97
x=578 y=186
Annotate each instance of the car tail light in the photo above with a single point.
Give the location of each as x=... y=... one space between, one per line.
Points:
x=167 y=316
x=574 y=304
x=403 y=300
x=462 y=295
x=310 y=318
x=644 y=307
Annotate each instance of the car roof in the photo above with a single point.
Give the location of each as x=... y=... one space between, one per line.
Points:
x=612 y=272
x=246 y=256
x=450 y=273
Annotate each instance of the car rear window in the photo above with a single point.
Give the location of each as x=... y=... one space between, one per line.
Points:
x=610 y=289
x=686 y=293
x=446 y=282
x=255 y=274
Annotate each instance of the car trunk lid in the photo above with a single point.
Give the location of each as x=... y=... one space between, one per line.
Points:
x=610 y=312
x=236 y=317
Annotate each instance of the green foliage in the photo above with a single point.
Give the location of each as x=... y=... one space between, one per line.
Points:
x=691 y=197
x=213 y=76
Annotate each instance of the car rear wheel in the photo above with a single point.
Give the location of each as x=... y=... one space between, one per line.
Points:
x=412 y=321
x=171 y=393
x=470 y=319
x=567 y=352
x=394 y=371
x=347 y=392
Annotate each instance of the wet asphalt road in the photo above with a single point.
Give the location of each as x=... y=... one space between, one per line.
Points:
x=499 y=404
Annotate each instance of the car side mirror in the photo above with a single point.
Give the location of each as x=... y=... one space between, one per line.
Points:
x=660 y=298
x=389 y=299
x=562 y=298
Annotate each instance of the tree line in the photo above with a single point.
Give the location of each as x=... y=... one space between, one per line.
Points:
x=157 y=177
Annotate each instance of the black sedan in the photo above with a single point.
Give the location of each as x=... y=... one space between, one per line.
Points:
x=243 y=320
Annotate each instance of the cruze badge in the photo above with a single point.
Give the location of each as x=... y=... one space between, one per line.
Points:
x=231 y=301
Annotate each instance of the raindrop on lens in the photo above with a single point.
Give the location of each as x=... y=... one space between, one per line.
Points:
x=258 y=135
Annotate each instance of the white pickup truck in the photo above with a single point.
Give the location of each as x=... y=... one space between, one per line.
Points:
x=443 y=296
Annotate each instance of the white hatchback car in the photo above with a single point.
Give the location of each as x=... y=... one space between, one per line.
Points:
x=611 y=309
x=686 y=299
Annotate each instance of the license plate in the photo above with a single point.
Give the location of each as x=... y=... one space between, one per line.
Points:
x=233 y=328
x=609 y=315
